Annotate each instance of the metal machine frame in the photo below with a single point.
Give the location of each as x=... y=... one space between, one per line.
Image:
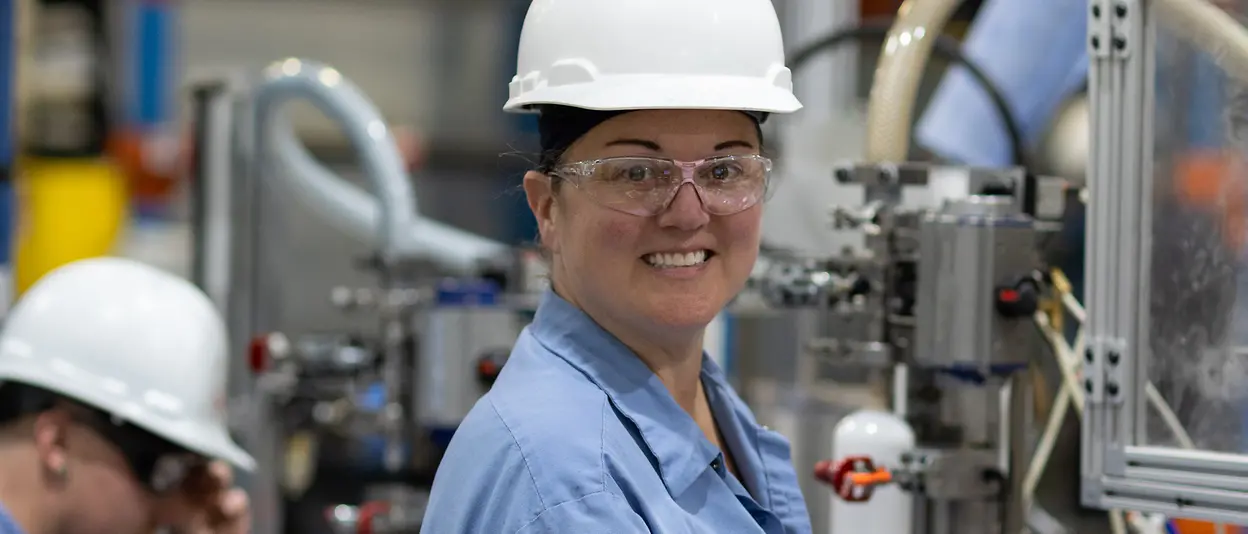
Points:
x=428 y=279
x=1120 y=470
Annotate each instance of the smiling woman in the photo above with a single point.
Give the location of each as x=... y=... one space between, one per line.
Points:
x=608 y=416
x=653 y=189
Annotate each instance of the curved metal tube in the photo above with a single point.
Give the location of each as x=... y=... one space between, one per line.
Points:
x=346 y=205
x=389 y=220
x=897 y=76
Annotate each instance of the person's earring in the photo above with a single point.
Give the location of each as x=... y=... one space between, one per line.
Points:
x=61 y=472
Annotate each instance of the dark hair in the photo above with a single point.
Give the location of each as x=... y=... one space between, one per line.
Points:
x=18 y=400
x=560 y=126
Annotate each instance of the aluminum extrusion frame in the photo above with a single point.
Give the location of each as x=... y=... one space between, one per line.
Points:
x=1119 y=470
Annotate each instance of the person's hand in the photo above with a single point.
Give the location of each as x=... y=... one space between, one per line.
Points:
x=209 y=504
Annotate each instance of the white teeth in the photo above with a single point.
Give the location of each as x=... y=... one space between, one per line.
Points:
x=666 y=260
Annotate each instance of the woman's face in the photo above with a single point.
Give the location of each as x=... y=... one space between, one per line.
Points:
x=605 y=261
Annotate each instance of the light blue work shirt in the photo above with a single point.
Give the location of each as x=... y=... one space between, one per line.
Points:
x=7 y=524
x=578 y=436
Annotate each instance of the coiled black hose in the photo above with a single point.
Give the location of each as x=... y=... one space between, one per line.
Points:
x=945 y=47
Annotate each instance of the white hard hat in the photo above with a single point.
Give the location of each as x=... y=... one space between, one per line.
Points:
x=652 y=54
x=131 y=340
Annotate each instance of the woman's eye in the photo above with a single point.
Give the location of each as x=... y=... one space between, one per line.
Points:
x=638 y=174
x=724 y=171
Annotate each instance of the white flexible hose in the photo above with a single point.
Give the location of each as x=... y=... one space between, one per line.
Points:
x=897 y=76
x=1168 y=416
x=1070 y=393
x=386 y=219
x=1211 y=29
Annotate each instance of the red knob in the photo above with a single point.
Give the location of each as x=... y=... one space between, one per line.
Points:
x=264 y=349
x=258 y=354
x=369 y=512
x=853 y=478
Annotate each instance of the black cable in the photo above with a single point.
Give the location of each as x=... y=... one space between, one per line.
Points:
x=946 y=47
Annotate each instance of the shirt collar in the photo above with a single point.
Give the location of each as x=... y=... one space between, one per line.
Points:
x=7 y=524
x=682 y=451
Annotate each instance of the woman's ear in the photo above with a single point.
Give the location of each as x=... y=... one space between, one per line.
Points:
x=541 y=195
x=51 y=432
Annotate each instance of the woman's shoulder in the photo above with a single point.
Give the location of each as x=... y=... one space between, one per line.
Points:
x=527 y=446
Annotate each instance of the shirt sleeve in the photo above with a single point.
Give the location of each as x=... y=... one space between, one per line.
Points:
x=602 y=512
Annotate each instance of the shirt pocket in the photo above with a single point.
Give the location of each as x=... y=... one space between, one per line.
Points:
x=782 y=485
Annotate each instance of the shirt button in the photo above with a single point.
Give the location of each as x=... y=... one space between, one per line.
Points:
x=715 y=465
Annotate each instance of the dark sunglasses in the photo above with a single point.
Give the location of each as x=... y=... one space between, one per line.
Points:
x=158 y=464
x=161 y=466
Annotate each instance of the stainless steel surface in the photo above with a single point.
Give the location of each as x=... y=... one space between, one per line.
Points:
x=1019 y=454
x=950 y=288
x=958 y=474
x=797 y=395
x=969 y=249
x=455 y=339
x=285 y=264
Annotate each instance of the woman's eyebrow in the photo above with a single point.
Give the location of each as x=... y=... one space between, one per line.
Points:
x=637 y=142
x=736 y=143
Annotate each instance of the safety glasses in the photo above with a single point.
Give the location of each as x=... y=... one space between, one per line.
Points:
x=645 y=186
x=159 y=465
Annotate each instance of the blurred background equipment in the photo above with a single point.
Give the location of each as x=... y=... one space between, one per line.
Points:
x=14 y=29
x=72 y=195
x=378 y=401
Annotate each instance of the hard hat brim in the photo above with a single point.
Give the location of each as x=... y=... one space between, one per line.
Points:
x=203 y=438
x=638 y=92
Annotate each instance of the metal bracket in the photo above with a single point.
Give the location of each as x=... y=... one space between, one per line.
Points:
x=1098 y=28
x=1118 y=470
x=1116 y=380
x=1093 y=376
x=957 y=474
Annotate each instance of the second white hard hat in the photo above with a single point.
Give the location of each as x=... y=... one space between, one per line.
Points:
x=131 y=340
x=652 y=54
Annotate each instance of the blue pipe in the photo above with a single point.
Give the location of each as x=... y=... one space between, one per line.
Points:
x=8 y=75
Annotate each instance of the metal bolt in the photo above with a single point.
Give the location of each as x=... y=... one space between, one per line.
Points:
x=1114 y=357
x=1120 y=43
x=1088 y=355
x=1096 y=42
x=1096 y=12
x=1087 y=384
x=1112 y=388
x=1120 y=10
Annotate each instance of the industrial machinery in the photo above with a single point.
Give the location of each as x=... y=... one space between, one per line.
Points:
x=943 y=297
x=955 y=300
x=444 y=305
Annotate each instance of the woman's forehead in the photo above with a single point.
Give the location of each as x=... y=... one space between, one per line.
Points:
x=701 y=131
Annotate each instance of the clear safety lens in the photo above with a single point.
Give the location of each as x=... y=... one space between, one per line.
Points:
x=646 y=186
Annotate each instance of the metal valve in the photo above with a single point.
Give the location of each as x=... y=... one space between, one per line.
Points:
x=363 y=519
x=853 y=478
x=346 y=298
x=865 y=218
x=352 y=299
x=940 y=474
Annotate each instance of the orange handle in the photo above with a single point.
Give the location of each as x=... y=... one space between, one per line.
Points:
x=881 y=476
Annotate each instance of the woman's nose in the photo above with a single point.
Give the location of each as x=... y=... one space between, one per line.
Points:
x=686 y=210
